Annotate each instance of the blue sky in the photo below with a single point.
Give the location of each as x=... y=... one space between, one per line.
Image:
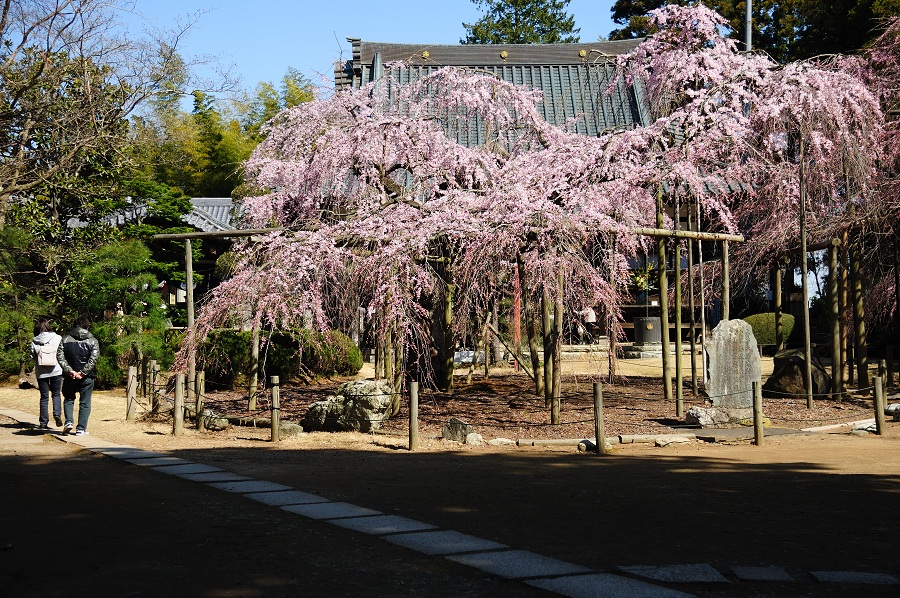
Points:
x=263 y=38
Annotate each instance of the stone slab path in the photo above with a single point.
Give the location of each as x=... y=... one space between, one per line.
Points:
x=539 y=571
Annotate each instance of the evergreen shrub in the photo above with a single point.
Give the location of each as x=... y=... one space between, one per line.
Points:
x=764 y=327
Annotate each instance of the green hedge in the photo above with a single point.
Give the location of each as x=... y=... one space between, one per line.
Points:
x=225 y=356
x=764 y=327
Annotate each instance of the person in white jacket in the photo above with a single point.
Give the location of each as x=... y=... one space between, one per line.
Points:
x=47 y=370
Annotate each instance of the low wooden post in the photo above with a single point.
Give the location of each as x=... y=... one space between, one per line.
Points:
x=889 y=358
x=276 y=409
x=199 y=393
x=413 y=416
x=599 y=430
x=758 y=433
x=178 y=411
x=879 y=406
x=154 y=395
x=131 y=392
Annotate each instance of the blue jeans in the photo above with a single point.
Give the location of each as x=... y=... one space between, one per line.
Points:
x=50 y=386
x=84 y=388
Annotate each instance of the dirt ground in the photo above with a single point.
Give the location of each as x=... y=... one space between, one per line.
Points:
x=805 y=502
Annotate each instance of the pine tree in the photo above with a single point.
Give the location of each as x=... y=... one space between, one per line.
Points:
x=522 y=22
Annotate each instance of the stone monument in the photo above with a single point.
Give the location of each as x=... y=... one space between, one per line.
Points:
x=733 y=364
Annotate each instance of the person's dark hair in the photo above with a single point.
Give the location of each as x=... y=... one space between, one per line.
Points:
x=42 y=325
x=83 y=322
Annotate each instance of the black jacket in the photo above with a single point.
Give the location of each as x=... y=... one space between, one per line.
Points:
x=78 y=352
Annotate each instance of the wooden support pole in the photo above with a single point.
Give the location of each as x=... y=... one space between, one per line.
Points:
x=178 y=411
x=154 y=394
x=599 y=428
x=758 y=432
x=413 y=416
x=189 y=298
x=253 y=375
x=131 y=393
x=726 y=283
x=557 y=349
x=276 y=409
x=663 y=300
x=199 y=394
x=691 y=306
x=860 y=348
x=879 y=406
x=778 y=296
x=679 y=351
x=846 y=342
x=804 y=282
x=833 y=275
x=889 y=359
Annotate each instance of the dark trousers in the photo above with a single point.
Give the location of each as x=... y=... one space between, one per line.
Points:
x=84 y=388
x=50 y=387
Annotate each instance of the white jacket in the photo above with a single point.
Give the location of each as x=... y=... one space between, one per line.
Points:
x=45 y=371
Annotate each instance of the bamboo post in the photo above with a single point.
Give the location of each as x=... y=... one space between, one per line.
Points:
x=804 y=282
x=836 y=369
x=879 y=406
x=154 y=395
x=253 y=377
x=726 y=283
x=663 y=299
x=599 y=430
x=758 y=432
x=131 y=392
x=178 y=411
x=276 y=409
x=199 y=392
x=413 y=416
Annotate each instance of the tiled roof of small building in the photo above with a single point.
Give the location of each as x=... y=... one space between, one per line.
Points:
x=574 y=78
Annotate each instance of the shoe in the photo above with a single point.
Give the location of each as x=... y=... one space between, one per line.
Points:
x=43 y=427
x=81 y=432
x=68 y=428
x=59 y=421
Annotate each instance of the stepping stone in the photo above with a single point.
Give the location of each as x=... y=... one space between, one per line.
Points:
x=187 y=468
x=330 y=510
x=378 y=525
x=443 y=542
x=216 y=476
x=285 y=497
x=154 y=461
x=128 y=452
x=251 y=485
x=515 y=564
x=601 y=585
x=854 y=577
x=700 y=573
x=761 y=573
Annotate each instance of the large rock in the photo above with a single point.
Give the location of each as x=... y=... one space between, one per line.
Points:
x=788 y=374
x=358 y=406
x=733 y=364
x=456 y=430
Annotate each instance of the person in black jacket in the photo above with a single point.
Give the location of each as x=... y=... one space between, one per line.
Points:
x=77 y=355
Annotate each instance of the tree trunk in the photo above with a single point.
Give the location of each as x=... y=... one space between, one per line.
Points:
x=531 y=330
x=557 y=347
x=547 y=329
x=833 y=276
